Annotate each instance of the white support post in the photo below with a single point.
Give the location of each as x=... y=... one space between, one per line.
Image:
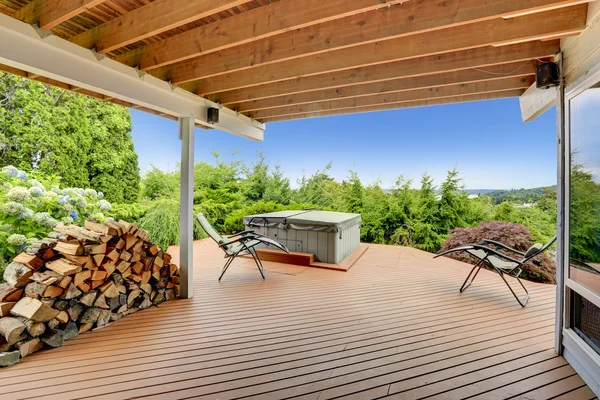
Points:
x=561 y=204
x=186 y=248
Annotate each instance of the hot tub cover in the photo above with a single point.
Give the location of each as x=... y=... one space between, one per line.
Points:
x=309 y=220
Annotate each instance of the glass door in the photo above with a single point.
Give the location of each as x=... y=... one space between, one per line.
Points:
x=582 y=314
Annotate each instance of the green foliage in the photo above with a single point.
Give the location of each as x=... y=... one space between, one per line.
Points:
x=519 y=196
x=162 y=221
x=157 y=184
x=585 y=215
x=83 y=141
x=541 y=268
x=30 y=208
x=235 y=221
x=129 y=212
x=226 y=191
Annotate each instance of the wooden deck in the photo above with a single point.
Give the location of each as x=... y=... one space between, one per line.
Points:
x=393 y=326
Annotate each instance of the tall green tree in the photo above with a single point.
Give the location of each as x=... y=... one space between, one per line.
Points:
x=84 y=141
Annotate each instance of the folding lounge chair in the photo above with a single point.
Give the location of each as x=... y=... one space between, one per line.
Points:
x=501 y=263
x=241 y=243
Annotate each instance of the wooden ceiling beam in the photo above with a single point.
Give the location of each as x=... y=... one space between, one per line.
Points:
x=479 y=24
x=475 y=58
x=412 y=104
x=49 y=13
x=481 y=34
x=502 y=71
x=149 y=20
x=259 y=23
x=432 y=93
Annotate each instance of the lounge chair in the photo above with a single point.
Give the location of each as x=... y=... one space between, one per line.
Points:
x=241 y=243
x=501 y=263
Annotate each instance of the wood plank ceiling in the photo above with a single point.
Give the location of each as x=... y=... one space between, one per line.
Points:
x=277 y=60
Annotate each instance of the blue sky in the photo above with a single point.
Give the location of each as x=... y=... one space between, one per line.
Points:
x=486 y=141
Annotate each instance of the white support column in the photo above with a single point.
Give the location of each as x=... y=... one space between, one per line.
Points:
x=186 y=248
x=560 y=228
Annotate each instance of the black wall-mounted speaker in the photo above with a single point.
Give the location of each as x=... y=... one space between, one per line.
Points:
x=547 y=75
x=212 y=115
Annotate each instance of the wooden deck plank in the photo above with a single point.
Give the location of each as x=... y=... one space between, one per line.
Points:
x=385 y=328
x=582 y=393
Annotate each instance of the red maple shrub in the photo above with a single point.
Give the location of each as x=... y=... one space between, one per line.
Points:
x=541 y=268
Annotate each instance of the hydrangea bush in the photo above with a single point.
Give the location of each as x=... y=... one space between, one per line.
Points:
x=30 y=208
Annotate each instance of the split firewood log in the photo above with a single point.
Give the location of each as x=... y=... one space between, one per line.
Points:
x=11 y=329
x=63 y=317
x=71 y=292
x=29 y=347
x=74 y=249
x=34 y=329
x=17 y=275
x=34 y=290
x=63 y=267
x=54 y=337
x=89 y=298
x=5 y=308
x=31 y=261
x=34 y=310
x=52 y=292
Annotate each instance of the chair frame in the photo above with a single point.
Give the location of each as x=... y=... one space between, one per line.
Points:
x=514 y=272
x=247 y=240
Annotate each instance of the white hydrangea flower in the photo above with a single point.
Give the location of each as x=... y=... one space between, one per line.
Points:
x=67 y=220
x=22 y=175
x=10 y=171
x=91 y=193
x=12 y=208
x=18 y=194
x=27 y=213
x=104 y=205
x=100 y=195
x=35 y=183
x=99 y=216
x=50 y=195
x=16 y=240
x=80 y=202
x=68 y=207
x=45 y=219
x=7 y=186
x=36 y=191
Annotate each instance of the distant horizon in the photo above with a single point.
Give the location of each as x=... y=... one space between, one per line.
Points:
x=485 y=141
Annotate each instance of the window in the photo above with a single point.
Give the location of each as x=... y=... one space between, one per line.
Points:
x=584 y=228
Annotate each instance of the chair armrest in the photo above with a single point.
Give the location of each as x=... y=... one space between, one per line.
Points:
x=459 y=248
x=244 y=233
x=486 y=241
x=477 y=246
x=237 y=239
x=496 y=253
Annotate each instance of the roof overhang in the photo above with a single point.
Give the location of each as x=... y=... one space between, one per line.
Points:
x=273 y=60
x=26 y=48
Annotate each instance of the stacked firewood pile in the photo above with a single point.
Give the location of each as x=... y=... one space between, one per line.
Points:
x=79 y=279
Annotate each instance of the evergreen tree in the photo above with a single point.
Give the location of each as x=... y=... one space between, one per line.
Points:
x=84 y=141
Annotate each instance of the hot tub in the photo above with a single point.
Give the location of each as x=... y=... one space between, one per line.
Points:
x=330 y=236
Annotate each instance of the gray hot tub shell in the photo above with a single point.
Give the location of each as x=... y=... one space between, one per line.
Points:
x=330 y=236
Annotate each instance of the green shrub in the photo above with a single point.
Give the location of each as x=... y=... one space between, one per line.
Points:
x=162 y=221
x=235 y=221
x=30 y=208
x=541 y=268
x=129 y=212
